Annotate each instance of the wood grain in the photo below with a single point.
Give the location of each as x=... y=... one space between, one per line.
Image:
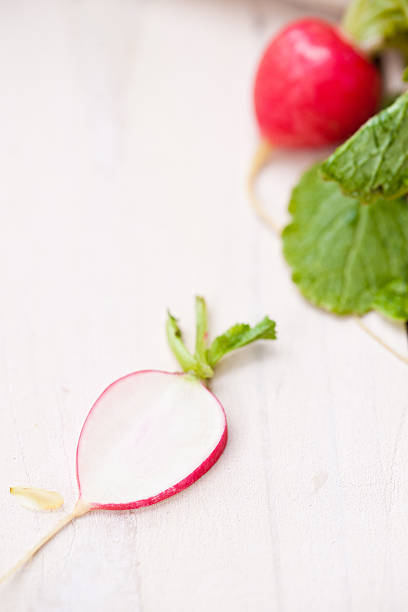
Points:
x=127 y=131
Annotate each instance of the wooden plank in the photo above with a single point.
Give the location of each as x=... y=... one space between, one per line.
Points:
x=127 y=131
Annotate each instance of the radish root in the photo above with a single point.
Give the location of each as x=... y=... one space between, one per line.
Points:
x=259 y=161
x=381 y=342
x=79 y=510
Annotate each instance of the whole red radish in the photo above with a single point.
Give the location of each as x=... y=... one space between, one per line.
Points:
x=312 y=87
x=151 y=434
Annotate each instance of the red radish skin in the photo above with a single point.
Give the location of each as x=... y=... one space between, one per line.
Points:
x=312 y=87
x=180 y=486
x=177 y=487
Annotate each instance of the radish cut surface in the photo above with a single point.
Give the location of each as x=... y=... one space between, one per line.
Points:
x=148 y=436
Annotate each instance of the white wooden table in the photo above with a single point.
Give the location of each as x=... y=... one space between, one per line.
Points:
x=126 y=132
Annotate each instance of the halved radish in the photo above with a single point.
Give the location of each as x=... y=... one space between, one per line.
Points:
x=168 y=430
x=151 y=434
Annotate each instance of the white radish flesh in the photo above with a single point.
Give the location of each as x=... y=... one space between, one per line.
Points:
x=148 y=436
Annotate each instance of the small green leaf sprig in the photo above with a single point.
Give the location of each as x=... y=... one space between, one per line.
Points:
x=201 y=364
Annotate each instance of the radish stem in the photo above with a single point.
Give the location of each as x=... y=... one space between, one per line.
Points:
x=201 y=330
x=261 y=157
x=196 y=365
x=183 y=355
x=79 y=510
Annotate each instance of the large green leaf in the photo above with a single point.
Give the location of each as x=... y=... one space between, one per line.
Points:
x=342 y=253
x=373 y=163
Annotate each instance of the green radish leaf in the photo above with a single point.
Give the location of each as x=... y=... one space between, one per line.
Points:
x=240 y=335
x=375 y=23
x=392 y=300
x=342 y=252
x=373 y=163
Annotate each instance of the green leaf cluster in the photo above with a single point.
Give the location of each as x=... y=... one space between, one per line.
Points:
x=377 y=23
x=203 y=361
x=347 y=243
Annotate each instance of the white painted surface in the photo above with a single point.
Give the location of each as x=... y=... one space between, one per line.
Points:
x=126 y=131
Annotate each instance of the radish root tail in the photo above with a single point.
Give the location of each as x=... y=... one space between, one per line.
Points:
x=261 y=157
x=79 y=510
x=381 y=342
